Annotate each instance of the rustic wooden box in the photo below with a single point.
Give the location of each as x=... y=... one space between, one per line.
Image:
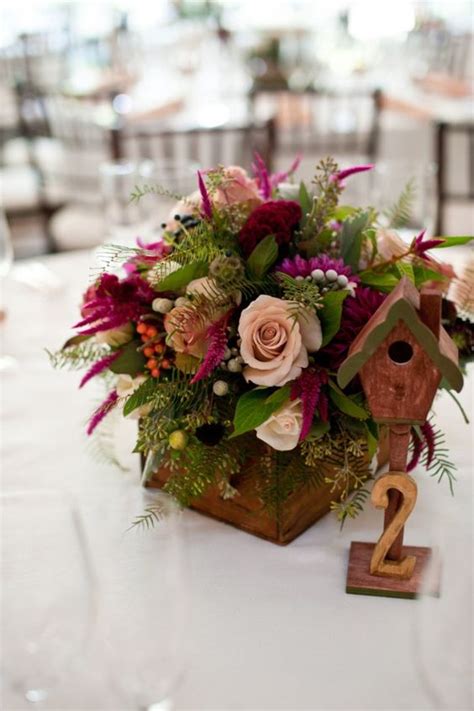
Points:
x=247 y=512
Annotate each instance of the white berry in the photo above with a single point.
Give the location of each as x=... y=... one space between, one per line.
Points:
x=234 y=366
x=342 y=280
x=331 y=275
x=163 y=306
x=182 y=301
x=317 y=274
x=220 y=388
x=299 y=278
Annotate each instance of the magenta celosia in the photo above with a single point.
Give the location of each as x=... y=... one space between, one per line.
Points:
x=103 y=409
x=356 y=311
x=98 y=367
x=419 y=445
x=206 y=207
x=115 y=302
x=308 y=387
x=420 y=245
x=217 y=343
x=297 y=266
x=152 y=252
x=261 y=173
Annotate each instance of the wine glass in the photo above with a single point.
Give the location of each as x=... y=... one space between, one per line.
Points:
x=48 y=597
x=144 y=600
x=6 y=259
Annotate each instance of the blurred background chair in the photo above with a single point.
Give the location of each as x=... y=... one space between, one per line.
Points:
x=455 y=183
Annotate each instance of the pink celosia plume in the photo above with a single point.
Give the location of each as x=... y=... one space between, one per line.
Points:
x=206 y=205
x=217 y=343
x=98 y=367
x=308 y=388
x=103 y=410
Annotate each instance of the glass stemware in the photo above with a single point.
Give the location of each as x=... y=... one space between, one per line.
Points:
x=48 y=598
x=144 y=601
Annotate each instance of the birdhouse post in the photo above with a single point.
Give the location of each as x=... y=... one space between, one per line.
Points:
x=400 y=356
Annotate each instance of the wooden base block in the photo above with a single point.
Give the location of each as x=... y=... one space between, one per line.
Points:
x=361 y=582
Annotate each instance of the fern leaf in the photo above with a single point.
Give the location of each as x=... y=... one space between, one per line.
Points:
x=400 y=212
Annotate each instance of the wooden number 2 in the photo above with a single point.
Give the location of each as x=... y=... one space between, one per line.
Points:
x=406 y=485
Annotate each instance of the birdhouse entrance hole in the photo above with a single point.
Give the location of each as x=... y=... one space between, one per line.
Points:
x=400 y=352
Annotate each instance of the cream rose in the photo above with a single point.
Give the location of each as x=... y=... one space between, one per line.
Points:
x=282 y=429
x=126 y=385
x=236 y=187
x=187 y=206
x=115 y=336
x=274 y=344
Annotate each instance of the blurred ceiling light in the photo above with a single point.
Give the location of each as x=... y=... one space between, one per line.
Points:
x=373 y=19
x=122 y=104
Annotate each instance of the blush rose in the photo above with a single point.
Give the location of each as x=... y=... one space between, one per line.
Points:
x=275 y=344
x=283 y=428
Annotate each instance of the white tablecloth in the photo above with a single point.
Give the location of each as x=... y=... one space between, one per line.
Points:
x=271 y=627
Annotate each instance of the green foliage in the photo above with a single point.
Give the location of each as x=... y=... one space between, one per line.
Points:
x=304 y=294
x=399 y=214
x=255 y=407
x=330 y=314
x=262 y=257
x=352 y=236
x=405 y=269
x=323 y=205
x=454 y=241
x=441 y=466
x=131 y=360
x=346 y=404
x=112 y=256
x=383 y=282
x=423 y=274
x=139 y=192
x=152 y=515
x=306 y=201
x=141 y=395
x=180 y=278
x=77 y=357
x=350 y=507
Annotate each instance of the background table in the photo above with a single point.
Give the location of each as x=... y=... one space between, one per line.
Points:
x=271 y=628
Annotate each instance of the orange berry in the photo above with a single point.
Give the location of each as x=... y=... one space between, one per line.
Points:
x=165 y=363
x=142 y=327
x=144 y=338
x=151 y=331
x=148 y=351
x=160 y=348
x=155 y=372
x=152 y=363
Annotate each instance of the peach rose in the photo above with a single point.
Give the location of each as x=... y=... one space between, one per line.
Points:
x=275 y=345
x=186 y=331
x=283 y=428
x=189 y=205
x=389 y=245
x=236 y=187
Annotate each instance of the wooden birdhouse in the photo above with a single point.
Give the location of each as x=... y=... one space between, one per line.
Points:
x=401 y=356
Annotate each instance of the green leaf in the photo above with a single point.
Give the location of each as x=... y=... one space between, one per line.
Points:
x=351 y=238
x=345 y=403
x=423 y=274
x=342 y=212
x=263 y=257
x=305 y=200
x=152 y=464
x=131 y=361
x=372 y=433
x=453 y=241
x=383 y=282
x=182 y=277
x=75 y=341
x=186 y=363
x=255 y=407
x=141 y=396
x=330 y=314
x=318 y=429
x=405 y=269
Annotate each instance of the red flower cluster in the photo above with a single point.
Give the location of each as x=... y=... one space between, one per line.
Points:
x=275 y=217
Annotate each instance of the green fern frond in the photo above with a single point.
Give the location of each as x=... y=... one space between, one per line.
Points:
x=78 y=356
x=441 y=467
x=399 y=214
x=152 y=515
x=139 y=192
x=351 y=506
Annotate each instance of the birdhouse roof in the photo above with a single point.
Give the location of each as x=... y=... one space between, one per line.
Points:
x=402 y=305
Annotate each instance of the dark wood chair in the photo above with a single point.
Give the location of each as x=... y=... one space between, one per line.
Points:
x=322 y=122
x=453 y=185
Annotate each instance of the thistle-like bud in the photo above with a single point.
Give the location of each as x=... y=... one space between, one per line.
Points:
x=225 y=269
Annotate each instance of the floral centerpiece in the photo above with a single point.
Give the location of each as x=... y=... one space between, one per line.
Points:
x=225 y=336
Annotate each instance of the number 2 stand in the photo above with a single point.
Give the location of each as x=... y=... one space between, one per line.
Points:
x=400 y=356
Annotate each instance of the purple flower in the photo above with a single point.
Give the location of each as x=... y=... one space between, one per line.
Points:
x=205 y=199
x=263 y=179
x=297 y=266
x=217 y=343
x=308 y=387
x=98 y=367
x=419 y=246
x=103 y=410
x=341 y=175
x=115 y=302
